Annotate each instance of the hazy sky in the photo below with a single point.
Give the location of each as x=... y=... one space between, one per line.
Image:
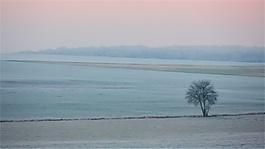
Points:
x=34 y=25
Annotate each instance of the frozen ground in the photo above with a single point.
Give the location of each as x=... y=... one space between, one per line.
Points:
x=230 y=131
x=40 y=90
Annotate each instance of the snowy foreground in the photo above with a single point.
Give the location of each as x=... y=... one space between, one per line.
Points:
x=245 y=131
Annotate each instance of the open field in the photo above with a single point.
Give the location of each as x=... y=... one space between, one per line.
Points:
x=54 y=90
x=72 y=98
x=253 y=71
x=245 y=131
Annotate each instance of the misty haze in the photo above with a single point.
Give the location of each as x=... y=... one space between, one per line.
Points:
x=208 y=53
x=131 y=74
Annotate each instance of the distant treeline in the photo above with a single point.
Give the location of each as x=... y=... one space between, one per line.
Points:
x=209 y=53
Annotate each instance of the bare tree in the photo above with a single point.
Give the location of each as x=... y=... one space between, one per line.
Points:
x=202 y=93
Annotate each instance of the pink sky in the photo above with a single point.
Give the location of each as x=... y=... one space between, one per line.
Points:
x=29 y=25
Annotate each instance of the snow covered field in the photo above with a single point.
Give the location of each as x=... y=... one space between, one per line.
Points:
x=230 y=131
x=37 y=91
x=32 y=90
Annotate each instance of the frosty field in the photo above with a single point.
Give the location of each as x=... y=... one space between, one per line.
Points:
x=31 y=90
x=214 y=132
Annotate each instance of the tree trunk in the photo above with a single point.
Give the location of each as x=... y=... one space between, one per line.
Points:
x=205 y=113
x=204 y=110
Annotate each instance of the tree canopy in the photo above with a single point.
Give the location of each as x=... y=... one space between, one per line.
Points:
x=202 y=93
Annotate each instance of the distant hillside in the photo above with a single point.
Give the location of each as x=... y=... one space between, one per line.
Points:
x=211 y=53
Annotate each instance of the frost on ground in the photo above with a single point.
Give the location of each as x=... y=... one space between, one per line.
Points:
x=231 y=131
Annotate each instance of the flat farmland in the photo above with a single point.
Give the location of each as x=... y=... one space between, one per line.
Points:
x=252 y=71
